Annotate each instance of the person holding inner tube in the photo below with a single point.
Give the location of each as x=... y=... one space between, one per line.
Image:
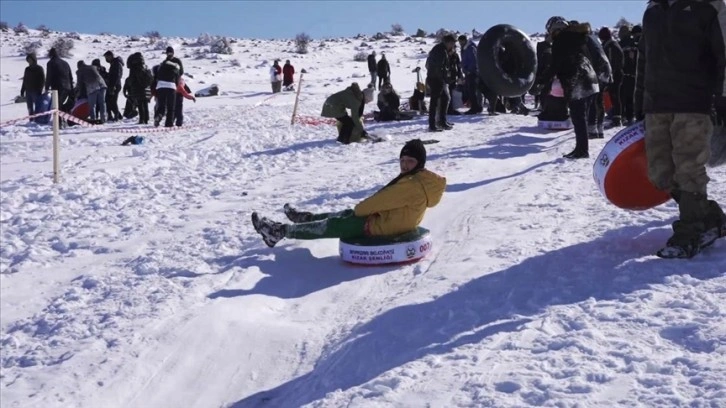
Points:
x=437 y=67
x=395 y=209
x=573 y=68
x=680 y=76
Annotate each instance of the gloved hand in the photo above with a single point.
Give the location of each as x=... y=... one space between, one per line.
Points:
x=719 y=105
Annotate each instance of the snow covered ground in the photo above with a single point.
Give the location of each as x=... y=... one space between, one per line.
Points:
x=138 y=281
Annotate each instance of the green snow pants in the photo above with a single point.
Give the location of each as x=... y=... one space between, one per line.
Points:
x=343 y=224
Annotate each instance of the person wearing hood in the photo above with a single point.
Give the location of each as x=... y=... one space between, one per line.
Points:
x=470 y=67
x=115 y=75
x=91 y=84
x=681 y=80
x=615 y=56
x=630 y=60
x=397 y=208
x=383 y=70
x=350 y=128
x=596 y=54
x=33 y=82
x=59 y=77
x=372 y=67
x=437 y=76
x=288 y=75
x=571 y=65
x=276 y=77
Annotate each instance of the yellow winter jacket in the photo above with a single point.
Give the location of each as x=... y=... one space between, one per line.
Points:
x=399 y=208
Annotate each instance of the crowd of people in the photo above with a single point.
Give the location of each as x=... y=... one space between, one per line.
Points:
x=100 y=88
x=668 y=72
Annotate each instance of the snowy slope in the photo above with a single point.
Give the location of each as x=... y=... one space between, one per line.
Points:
x=138 y=281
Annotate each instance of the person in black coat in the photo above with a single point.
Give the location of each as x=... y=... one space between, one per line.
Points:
x=383 y=70
x=167 y=80
x=115 y=74
x=33 y=82
x=615 y=55
x=139 y=83
x=629 y=45
x=437 y=77
x=59 y=77
x=372 y=67
x=456 y=75
x=681 y=78
x=571 y=65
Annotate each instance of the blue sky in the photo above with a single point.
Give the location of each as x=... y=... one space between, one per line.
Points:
x=319 y=19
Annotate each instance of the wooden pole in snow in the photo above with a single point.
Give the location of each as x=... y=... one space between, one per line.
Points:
x=297 y=98
x=56 y=137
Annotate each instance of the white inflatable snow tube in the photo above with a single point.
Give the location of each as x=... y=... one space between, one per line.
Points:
x=405 y=248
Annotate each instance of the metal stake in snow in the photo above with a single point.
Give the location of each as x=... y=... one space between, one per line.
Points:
x=297 y=97
x=56 y=131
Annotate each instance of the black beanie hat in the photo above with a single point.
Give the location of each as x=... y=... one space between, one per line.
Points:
x=416 y=149
x=169 y=49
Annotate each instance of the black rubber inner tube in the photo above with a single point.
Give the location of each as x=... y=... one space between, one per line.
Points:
x=507 y=60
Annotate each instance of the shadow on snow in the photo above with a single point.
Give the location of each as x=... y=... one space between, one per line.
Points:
x=500 y=302
x=293 y=272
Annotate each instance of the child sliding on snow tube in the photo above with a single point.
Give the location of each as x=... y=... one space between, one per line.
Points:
x=397 y=208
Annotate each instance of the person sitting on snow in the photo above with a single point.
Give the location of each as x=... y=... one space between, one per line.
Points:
x=389 y=103
x=395 y=209
x=350 y=128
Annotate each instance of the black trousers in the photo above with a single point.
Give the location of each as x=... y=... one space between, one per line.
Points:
x=614 y=91
x=179 y=110
x=167 y=104
x=143 y=106
x=579 y=109
x=346 y=129
x=627 y=94
x=596 y=113
x=439 y=101
x=112 y=105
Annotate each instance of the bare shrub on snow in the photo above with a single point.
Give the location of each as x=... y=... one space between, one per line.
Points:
x=74 y=36
x=420 y=33
x=31 y=47
x=396 y=29
x=63 y=46
x=44 y=30
x=221 y=46
x=161 y=44
x=362 y=56
x=20 y=29
x=204 y=39
x=302 y=41
x=623 y=22
x=153 y=36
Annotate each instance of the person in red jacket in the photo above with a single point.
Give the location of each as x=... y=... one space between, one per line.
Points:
x=288 y=71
